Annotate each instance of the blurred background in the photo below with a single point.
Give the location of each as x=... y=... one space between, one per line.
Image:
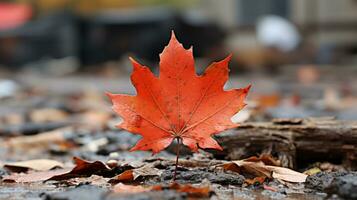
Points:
x=299 y=55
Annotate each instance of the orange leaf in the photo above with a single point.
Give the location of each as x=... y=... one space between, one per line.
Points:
x=265 y=158
x=121 y=188
x=197 y=192
x=191 y=190
x=256 y=180
x=126 y=176
x=178 y=103
x=133 y=174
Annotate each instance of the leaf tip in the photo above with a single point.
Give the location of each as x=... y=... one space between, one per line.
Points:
x=132 y=149
x=136 y=64
x=224 y=63
x=173 y=36
x=229 y=57
x=219 y=148
x=173 y=39
x=246 y=89
x=108 y=94
x=111 y=96
x=119 y=125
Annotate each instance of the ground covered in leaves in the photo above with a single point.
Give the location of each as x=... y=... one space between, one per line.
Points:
x=63 y=145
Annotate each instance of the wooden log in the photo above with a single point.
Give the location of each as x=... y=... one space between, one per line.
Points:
x=296 y=142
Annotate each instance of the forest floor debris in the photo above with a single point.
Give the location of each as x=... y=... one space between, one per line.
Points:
x=69 y=130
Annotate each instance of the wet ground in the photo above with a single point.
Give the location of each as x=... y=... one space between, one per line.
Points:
x=58 y=118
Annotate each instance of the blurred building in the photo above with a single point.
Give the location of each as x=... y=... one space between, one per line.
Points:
x=326 y=24
x=100 y=30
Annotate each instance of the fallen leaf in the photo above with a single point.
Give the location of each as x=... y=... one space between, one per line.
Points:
x=256 y=169
x=232 y=167
x=34 y=176
x=178 y=103
x=38 y=165
x=265 y=158
x=259 y=169
x=130 y=189
x=41 y=140
x=268 y=101
x=99 y=117
x=13 y=119
x=126 y=176
x=133 y=174
x=82 y=169
x=191 y=191
x=92 y=180
x=256 y=180
x=47 y=115
x=198 y=192
x=146 y=170
x=286 y=174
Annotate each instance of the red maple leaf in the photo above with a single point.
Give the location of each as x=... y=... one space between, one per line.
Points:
x=178 y=104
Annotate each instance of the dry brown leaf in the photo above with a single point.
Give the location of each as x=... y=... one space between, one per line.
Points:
x=232 y=167
x=253 y=168
x=99 y=117
x=259 y=169
x=265 y=158
x=42 y=140
x=93 y=180
x=13 y=118
x=146 y=170
x=34 y=176
x=126 y=176
x=82 y=169
x=255 y=180
x=38 y=165
x=286 y=174
x=48 y=115
x=133 y=174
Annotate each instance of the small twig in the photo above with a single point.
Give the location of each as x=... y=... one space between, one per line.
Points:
x=177 y=157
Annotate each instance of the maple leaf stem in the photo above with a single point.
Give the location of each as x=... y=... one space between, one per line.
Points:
x=177 y=157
